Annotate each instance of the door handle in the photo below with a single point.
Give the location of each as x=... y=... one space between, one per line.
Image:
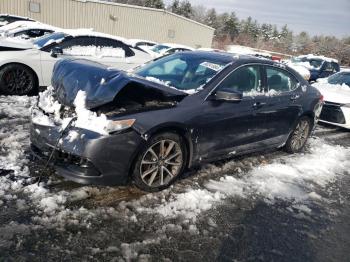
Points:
x=295 y=97
x=257 y=105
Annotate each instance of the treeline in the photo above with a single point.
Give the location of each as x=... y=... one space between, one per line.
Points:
x=229 y=29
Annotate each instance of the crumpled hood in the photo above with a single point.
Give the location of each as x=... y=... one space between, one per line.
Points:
x=100 y=83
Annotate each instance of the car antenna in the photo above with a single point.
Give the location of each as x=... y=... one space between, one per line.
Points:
x=55 y=147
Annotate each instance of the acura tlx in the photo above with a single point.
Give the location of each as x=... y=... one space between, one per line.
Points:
x=105 y=126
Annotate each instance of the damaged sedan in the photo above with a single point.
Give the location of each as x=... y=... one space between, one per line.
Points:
x=99 y=125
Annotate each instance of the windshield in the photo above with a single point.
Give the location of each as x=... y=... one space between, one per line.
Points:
x=159 y=48
x=339 y=79
x=48 y=39
x=182 y=70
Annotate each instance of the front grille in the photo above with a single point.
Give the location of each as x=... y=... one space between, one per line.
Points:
x=67 y=112
x=331 y=112
x=61 y=157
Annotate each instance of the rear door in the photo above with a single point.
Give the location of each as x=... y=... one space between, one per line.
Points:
x=284 y=102
x=228 y=127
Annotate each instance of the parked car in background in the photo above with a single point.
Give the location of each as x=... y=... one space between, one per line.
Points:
x=23 y=71
x=167 y=48
x=142 y=44
x=8 y=19
x=26 y=29
x=319 y=66
x=336 y=92
x=171 y=114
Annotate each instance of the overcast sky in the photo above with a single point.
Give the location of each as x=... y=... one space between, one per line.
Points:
x=328 y=17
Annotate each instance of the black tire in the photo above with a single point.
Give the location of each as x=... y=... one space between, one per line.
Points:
x=16 y=79
x=159 y=163
x=299 y=136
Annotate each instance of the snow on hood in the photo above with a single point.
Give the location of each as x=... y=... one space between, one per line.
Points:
x=100 y=83
x=334 y=93
x=16 y=42
x=301 y=69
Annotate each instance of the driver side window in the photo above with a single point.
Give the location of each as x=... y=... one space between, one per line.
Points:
x=246 y=80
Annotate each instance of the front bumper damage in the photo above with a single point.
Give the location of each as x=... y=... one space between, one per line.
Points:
x=92 y=158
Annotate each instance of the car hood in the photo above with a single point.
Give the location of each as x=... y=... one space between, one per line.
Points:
x=14 y=44
x=334 y=93
x=100 y=83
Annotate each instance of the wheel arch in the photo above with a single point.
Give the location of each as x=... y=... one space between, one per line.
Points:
x=176 y=128
x=35 y=74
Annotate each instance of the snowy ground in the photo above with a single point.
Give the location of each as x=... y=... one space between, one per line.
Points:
x=263 y=207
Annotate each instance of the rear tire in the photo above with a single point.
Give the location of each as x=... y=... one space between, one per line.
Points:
x=16 y=79
x=160 y=162
x=299 y=136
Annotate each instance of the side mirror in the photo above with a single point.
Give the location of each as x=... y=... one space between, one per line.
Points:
x=228 y=95
x=56 y=51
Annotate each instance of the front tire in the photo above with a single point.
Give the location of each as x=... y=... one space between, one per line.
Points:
x=299 y=136
x=160 y=162
x=17 y=79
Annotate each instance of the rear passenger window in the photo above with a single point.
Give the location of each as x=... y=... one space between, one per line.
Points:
x=280 y=80
x=246 y=80
x=107 y=42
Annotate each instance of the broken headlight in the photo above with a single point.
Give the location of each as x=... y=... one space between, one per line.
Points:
x=119 y=125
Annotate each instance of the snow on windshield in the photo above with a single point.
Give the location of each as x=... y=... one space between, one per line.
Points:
x=168 y=84
x=95 y=51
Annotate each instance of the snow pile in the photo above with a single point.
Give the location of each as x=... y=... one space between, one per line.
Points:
x=188 y=205
x=87 y=119
x=95 y=51
x=294 y=177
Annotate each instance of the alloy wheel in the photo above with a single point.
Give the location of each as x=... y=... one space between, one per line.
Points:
x=300 y=135
x=17 y=81
x=161 y=163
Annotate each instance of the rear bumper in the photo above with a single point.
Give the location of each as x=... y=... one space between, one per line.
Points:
x=93 y=159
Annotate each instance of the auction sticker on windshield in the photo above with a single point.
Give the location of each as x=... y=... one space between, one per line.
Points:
x=212 y=66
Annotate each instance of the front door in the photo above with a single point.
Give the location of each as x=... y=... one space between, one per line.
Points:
x=229 y=127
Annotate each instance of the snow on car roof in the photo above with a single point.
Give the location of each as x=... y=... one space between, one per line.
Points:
x=91 y=32
x=17 y=16
x=172 y=45
x=311 y=56
x=21 y=25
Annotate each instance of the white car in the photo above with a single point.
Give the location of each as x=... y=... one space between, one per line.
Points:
x=27 y=29
x=8 y=19
x=167 y=48
x=24 y=71
x=142 y=44
x=336 y=94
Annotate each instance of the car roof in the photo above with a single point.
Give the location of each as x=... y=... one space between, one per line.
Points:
x=230 y=57
x=91 y=32
x=17 y=16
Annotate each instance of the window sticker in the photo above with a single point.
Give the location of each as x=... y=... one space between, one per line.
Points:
x=212 y=66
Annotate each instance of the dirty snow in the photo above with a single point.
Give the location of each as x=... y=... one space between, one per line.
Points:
x=130 y=227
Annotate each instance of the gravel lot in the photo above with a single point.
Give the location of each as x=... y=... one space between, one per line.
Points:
x=262 y=207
